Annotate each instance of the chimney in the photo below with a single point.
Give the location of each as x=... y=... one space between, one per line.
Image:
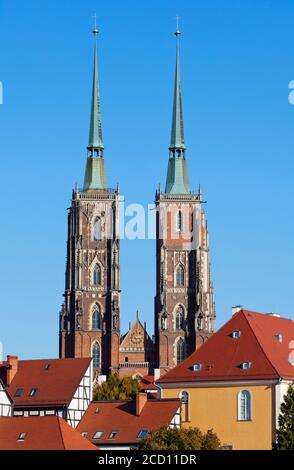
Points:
x=141 y=400
x=236 y=309
x=12 y=363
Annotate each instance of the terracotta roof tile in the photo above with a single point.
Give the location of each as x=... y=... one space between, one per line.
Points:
x=121 y=416
x=56 y=384
x=221 y=356
x=42 y=433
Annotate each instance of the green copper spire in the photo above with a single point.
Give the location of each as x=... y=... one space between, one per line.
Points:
x=177 y=181
x=95 y=170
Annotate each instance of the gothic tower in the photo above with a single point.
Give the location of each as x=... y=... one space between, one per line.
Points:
x=184 y=305
x=90 y=315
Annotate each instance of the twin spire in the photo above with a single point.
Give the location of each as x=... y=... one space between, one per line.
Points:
x=177 y=181
x=95 y=177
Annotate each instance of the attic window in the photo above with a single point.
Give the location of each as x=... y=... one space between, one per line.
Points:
x=246 y=365
x=236 y=334
x=33 y=392
x=85 y=433
x=98 y=435
x=22 y=436
x=143 y=433
x=47 y=366
x=113 y=435
x=18 y=392
x=197 y=367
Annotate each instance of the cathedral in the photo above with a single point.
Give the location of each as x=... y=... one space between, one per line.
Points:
x=184 y=309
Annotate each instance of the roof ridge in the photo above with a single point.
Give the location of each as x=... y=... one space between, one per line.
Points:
x=252 y=329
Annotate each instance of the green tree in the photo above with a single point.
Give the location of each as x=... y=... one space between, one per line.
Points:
x=167 y=438
x=285 y=433
x=117 y=389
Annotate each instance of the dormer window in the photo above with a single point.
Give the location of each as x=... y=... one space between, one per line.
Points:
x=18 y=392
x=197 y=367
x=113 y=435
x=98 y=435
x=22 y=436
x=279 y=337
x=47 y=366
x=33 y=392
x=85 y=433
x=246 y=365
x=236 y=334
x=143 y=433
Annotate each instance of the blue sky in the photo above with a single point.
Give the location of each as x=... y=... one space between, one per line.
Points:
x=237 y=60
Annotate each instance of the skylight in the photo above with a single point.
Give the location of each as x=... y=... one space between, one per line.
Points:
x=18 y=392
x=197 y=367
x=85 y=433
x=47 y=366
x=33 y=392
x=113 y=435
x=142 y=433
x=98 y=435
x=236 y=334
x=97 y=410
x=22 y=436
x=246 y=365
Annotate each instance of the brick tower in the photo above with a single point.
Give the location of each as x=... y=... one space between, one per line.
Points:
x=90 y=315
x=184 y=305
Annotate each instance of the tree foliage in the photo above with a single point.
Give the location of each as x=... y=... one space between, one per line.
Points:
x=167 y=438
x=285 y=433
x=117 y=389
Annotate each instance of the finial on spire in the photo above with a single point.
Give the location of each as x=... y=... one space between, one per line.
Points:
x=95 y=30
x=177 y=32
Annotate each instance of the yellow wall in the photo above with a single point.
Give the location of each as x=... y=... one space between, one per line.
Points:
x=216 y=408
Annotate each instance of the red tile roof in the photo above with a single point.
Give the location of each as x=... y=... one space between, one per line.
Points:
x=43 y=433
x=56 y=385
x=121 y=416
x=147 y=384
x=221 y=356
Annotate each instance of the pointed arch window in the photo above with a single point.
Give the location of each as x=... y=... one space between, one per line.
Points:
x=97 y=275
x=180 y=276
x=180 y=317
x=96 y=355
x=244 y=405
x=179 y=221
x=96 y=318
x=97 y=231
x=180 y=350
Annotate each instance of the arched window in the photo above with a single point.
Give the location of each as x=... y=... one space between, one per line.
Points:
x=97 y=232
x=244 y=405
x=180 y=350
x=179 y=221
x=180 y=276
x=97 y=276
x=96 y=354
x=184 y=396
x=96 y=318
x=180 y=317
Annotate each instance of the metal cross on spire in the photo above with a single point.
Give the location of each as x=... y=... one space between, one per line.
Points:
x=177 y=32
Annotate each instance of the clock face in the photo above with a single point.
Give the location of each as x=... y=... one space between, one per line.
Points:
x=137 y=337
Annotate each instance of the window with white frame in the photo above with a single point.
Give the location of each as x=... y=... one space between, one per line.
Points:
x=184 y=396
x=244 y=405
